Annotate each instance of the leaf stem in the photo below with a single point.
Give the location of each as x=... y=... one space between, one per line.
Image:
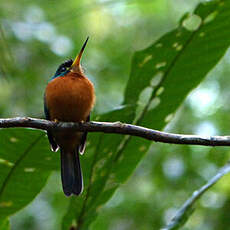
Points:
x=187 y=208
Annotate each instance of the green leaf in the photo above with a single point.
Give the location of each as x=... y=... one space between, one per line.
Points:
x=161 y=77
x=4 y=224
x=25 y=164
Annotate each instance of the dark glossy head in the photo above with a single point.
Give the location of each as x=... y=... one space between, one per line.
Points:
x=70 y=65
x=63 y=69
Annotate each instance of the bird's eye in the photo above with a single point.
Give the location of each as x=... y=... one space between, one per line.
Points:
x=63 y=69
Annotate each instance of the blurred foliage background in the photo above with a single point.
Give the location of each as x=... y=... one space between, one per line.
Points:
x=35 y=37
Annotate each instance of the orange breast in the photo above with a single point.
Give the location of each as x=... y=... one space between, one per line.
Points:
x=69 y=98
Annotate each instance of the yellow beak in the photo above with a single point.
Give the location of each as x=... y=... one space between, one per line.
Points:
x=76 y=64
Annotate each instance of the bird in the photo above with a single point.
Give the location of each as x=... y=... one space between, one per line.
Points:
x=69 y=97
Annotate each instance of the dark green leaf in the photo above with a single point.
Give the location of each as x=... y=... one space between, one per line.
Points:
x=25 y=164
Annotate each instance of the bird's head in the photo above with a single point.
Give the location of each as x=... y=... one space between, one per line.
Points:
x=70 y=65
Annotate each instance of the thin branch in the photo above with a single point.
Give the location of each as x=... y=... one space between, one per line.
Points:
x=119 y=128
x=187 y=208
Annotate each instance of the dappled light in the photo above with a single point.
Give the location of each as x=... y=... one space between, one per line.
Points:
x=163 y=65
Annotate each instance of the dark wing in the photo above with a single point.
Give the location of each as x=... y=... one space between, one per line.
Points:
x=83 y=139
x=53 y=144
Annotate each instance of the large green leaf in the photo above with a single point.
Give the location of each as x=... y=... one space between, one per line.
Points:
x=161 y=77
x=4 y=224
x=25 y=164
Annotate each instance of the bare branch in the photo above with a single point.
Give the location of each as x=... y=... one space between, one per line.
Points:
x=119 y=128
x=187 y=208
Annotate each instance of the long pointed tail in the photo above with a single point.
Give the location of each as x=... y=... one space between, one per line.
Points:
x=72 y=181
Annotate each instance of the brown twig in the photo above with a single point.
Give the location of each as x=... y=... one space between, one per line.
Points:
x=119 y=128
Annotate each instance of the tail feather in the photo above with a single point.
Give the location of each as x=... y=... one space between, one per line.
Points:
x=72 y=181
